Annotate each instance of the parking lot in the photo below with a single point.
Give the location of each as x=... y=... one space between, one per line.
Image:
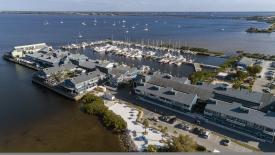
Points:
x=211 y=143
x=262 y=83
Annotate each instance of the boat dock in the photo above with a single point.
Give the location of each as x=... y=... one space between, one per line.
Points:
x=198 y=66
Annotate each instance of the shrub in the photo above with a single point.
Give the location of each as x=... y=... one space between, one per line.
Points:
x=94 y=105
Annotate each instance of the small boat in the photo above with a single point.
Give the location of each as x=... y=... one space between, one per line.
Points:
x=95 y=21
x=80 y=36
x=114 y=24
x=45 y=23
x=146 y=27
x=83 y=23
x=61 y=22
x=123 y=21
x=133 y=27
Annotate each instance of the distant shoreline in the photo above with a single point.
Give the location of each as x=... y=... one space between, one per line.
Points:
x=127 y=13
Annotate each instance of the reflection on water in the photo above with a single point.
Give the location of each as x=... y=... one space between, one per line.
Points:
x=34 y=119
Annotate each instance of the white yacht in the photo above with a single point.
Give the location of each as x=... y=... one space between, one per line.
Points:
x=83 y=23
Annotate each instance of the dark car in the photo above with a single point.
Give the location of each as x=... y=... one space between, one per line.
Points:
x=196 y=131
x=225 y=142
x=198 y=122
x=172 y=120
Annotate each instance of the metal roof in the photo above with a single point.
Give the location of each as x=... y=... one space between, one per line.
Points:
x=87 y=64
x=234 y=110
x=86 y=77
x=246 y=61
x=180 y=97
x=56 y=69
x=179 y=85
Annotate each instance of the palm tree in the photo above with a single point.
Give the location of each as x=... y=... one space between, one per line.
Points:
x=164 y=132
x=146 y=125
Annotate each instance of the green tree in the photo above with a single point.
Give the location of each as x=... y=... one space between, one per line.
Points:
x=253 y=70
x=240 y=75
x=152 y=148
x=145 y=124
x=164 y=131
x=182 y=143
x=89 y=98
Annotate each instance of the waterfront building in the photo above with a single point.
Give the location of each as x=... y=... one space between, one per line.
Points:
x=121 y=74
x=83 y=83
x=245 y=62
x=255 y=100
x=77 y=58
x=48 y=58
x=47 y=72
x=104 y=66
x=166 y=97
x=44 y=60
x=20 y=51
x=236 y=117
x=88 y=65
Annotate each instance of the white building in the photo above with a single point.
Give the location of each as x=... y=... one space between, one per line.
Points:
x=20 y=51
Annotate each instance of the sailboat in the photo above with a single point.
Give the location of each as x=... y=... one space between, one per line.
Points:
x=146 y=27
x=95 y=21
x=45 y=23
x=83 y=23
x=80 y=36
x=114 y=24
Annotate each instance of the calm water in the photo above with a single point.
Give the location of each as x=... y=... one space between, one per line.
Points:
x=216 y=31
x=35 y=119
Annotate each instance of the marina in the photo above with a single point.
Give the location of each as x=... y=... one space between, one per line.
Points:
x=135 y=48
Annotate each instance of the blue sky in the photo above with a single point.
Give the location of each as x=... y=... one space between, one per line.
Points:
x=138 y=5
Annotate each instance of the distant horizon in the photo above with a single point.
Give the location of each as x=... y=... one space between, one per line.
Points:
x=140 y=5
x=140 y=11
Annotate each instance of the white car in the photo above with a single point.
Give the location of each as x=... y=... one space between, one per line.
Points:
x=205 y=134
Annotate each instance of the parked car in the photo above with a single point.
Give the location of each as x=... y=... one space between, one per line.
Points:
x=184 y=126
x=164 y=118
x=168 y=119
x=197 y=131
x=225 y=142
x=198 y=122
x=109 y=96
x=205 y=134
x=267 y=90
x=172 y=120
x=155 y=118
